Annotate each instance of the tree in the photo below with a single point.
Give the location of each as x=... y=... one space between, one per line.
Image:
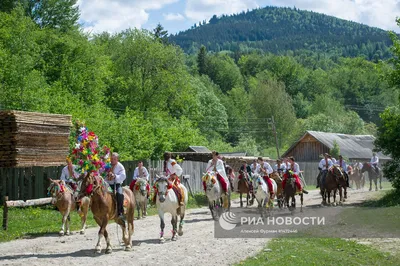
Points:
x=160 y=34
x=202 y=60
x=335 y=151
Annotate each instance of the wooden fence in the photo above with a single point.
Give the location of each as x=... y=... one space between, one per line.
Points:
x=27 y=183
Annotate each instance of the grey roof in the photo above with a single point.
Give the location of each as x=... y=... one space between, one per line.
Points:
x=200 y=149
x=351 y=146
x=233 y=153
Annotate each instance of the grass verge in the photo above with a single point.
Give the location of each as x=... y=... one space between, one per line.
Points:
x=319 y=251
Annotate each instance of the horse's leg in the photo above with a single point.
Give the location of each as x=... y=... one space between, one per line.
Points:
x=162 y=225
x=64 y=220
x=182 y=216
x=241 y=202
x=108 y=242
x=67 y=232
x=247 y=199
x=370 y=182
x=301 y=202
x=102 y=224
x=380 y=180
x=84 y=210
x=138 y=210
x=130 y=217
x=174 y=222
x=376 y=183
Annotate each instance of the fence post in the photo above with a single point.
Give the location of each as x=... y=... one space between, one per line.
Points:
x=5 y=213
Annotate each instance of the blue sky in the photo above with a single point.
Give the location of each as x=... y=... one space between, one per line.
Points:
x=178 y=15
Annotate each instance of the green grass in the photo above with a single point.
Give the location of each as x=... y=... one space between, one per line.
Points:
x=36 y=221
x=319 y=251
x=384 y=199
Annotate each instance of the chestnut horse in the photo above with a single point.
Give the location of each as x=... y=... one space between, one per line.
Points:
x=331 y=183
x=244 y=187
x=279 y=193
x=104 y=208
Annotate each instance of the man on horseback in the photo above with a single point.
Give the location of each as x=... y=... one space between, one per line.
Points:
x=279 y=167
x=69 y=174
x=115 y=179
x=343 y=165
x=286 y=163
x=265 y=170
x=295 y=169
x=173 y=170
x=254 y=167
x=324 y=166
x=245 y=172
x=374 y=162
x=140 y=172
x=216 y=165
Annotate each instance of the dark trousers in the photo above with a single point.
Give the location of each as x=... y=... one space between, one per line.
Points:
x=120 y=197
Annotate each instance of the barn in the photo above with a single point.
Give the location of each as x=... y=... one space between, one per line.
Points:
x=308 y=149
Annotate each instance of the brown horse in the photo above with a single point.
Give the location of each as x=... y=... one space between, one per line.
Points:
x=104 y=208
x=290 y=192
x=372 y=175
x=244 y=188
x=331 y=183
x=356 y=177
x=279 y=193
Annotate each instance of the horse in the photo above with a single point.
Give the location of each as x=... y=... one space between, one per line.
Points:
x=262 y=193
x=290 y=193
x=372 y=175
x=244 y=188
x=331 y=184
x=167 y=202
x=104 y=208
x=276 y=176
x=356 y=177
x=217 y=202
x=140 y=193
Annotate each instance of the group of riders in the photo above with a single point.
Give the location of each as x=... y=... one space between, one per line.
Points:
x=285 y=168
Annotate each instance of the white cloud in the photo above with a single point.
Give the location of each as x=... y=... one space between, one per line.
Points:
x=377 y=13
x=199 y=10
x=172 y=16
x=117 y=15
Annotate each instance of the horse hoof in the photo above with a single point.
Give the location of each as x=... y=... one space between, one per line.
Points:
x=376 y=189
x=128 y=248
x=108 y=251
x=98 y=250
x=180 y=233
x=82 y=232
x=61 y=233
x=173 y=238
x=162 y=240
x=67 y=233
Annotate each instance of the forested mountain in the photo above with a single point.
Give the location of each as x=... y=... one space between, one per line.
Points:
x=143 y=96
x=278 y=30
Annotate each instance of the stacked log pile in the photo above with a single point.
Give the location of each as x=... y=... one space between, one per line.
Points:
x=33 y=139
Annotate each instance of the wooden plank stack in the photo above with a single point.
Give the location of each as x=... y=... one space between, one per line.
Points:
x=33 y=139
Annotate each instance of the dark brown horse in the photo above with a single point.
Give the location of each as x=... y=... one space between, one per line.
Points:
x=372 y=175
x=331 y=184
x=244 y=188
x=290 y=193
x=104 y=208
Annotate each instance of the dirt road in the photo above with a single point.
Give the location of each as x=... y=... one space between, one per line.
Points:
x=196 y=247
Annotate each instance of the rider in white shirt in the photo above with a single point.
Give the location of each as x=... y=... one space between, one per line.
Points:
x=374 y=162
x=324 y=166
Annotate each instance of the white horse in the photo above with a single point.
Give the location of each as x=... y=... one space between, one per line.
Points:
x=262 y=192
x=217 y=202
x=140 y=193
x=167 y=202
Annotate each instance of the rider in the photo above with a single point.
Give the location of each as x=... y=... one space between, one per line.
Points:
x=140 y=172
x=265 y=169
x=295 y=168
x=254 y=166
x=216 y=165
x=115 y=179
x=286 y=163
x=334 y=161
x=374 y=162
x=173 y=170
x=324 y=166
x=279 y=167
x=69 y=174
x=343 y=165
x=231 y=175
x=245 y=170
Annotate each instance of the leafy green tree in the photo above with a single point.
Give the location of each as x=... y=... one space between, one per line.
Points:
x=161 y=34
x=335 y=151
x=202 y=60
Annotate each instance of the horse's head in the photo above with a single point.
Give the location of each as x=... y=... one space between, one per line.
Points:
x=87 y=186
x=366 y=167
x=141 y=186
x=56 y=187
x=210 y=179
x=163 y=185
x=256 y=180
x=337 y=172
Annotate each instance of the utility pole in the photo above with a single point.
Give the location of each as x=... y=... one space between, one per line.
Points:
x=275 y=134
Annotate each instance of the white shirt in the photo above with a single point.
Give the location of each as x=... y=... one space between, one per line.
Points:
x=65 y=174
x=219 y=167
x=282 y=167
x=120 y=175
x=343 y=165
x=322 y=164
x=254 y=168
x=287 y=165
x=173 y=168
x=334 y=161
x=296 y=169
x=267 y=167
x=375 y=160
x=145 y=173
